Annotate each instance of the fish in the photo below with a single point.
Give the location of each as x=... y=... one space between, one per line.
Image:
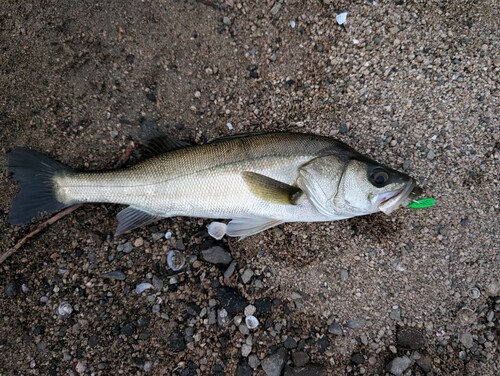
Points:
x=256 y=181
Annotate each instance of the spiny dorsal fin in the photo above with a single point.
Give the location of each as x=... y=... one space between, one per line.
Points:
x=271 y=190
x=160 y=145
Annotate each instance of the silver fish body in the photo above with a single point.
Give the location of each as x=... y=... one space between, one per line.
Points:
x=257 y=181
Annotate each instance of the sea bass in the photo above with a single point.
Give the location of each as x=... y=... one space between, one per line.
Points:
x=256 y=181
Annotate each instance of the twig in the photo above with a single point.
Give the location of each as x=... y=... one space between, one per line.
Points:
x=63 y=213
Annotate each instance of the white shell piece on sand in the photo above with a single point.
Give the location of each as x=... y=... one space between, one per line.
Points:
x=141 y=287
x=217 y=230
x=252 y=322
x=341 y=18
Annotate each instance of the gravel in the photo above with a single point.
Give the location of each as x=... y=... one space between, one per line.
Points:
x=412 y=85
x=216 y=255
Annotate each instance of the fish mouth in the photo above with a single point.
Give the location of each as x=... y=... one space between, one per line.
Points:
x=391 y=201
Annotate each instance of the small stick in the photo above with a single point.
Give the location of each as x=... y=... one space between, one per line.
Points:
x=63 y=213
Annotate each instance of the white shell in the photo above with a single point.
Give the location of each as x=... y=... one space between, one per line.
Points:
x=141 y=287
x=252 y=322
x=168 y=235
x=341 y=18
x=65 y=309
x=217 y=230
x=175 y=260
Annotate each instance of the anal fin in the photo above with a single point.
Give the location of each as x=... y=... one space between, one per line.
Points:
x=244 y=227
x=132 y=217
x=271 y=190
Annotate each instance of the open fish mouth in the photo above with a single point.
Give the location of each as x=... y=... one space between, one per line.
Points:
x=391 y=201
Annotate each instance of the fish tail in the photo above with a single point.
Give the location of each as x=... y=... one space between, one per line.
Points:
x=35 y=174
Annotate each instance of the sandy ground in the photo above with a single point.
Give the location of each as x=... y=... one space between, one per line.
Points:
x=412 y=84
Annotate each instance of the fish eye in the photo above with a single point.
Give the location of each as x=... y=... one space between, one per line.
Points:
x=379 y=177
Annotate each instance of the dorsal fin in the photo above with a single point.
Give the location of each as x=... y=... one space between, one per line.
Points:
x=160 y=145
x=271 y=190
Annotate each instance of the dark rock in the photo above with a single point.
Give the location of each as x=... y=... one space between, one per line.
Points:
x=39 y=330
x=244 y=370
x=263 y=306
x=176 y=342
x=128 y=329
x=143 y=321
x=93 y=341
x=130 y=59
x=231 y=300
x=254 y=74
x=410 y=338
x=216 y=255
x=193 y=309
x=11 y=289
x=273 y=364
x=300 y=358
x=335 y=328
x=425 y=362
x=343 y=128
x=310 y=370
x=357 y=359
x=290 y=343
x=323 y=344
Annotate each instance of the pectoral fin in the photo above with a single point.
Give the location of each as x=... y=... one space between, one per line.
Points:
x=271 y=190
x=133 y=217
x=244 y=227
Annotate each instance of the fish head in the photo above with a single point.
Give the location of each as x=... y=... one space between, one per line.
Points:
x=368 y=187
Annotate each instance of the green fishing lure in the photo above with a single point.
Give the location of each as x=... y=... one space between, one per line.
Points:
x=423 y=203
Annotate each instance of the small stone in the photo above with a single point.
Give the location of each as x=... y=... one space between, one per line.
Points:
x=176 y=342
x=335 y=329
x=343 y=128
x=128 y=329
x=290 y=343
x=139 y=242
x=127 y=247
x=425 y=362
x=276 y=8
x=357 y=359
x=11 y=289
x=410 y=338
x=226 y=21
x=467 y=340
x=355 y=324
x=230 y=269
x=308 y=370
x=273 y=364
x=157 y=283
x=247 y=276
x=249 y=310
x=300 y=358
x=399 y=365
x=493 y=290
x=344 y=275
x=246 y=350
x=216 y=255
x=253 y=361
x=431 y=155
x=230 y=299
x=395 y=314
x=115 y=275
x=244 y=370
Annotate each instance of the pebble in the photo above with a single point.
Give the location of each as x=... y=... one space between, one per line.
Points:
x=244 y=370
x=222 y=317
x=230 y=269
x=300 y=358
x=128 y=329
x=276 y=8
x=410 y=338
x=157 y=283
x=216 y=255
x=176 y=342
x=115 y=275
x=11 y=289
x=139 y=242
x=249 y=310
x=247 y=276
x=344 y=275
x=246 y=350
x=467 y=340
x=355 y=324
x=226 y=21
x=335 y=329
x=231 y=300
x=431 y=155
x=126 y=248
x=273 y=364
x=253 y=361
x=290 y=343
x=399 y=365
x=395 y=314
x=357 y=359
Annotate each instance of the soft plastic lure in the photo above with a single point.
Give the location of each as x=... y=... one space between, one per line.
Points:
x=423 y=203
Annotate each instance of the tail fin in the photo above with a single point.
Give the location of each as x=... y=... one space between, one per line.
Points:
x=34 y=172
